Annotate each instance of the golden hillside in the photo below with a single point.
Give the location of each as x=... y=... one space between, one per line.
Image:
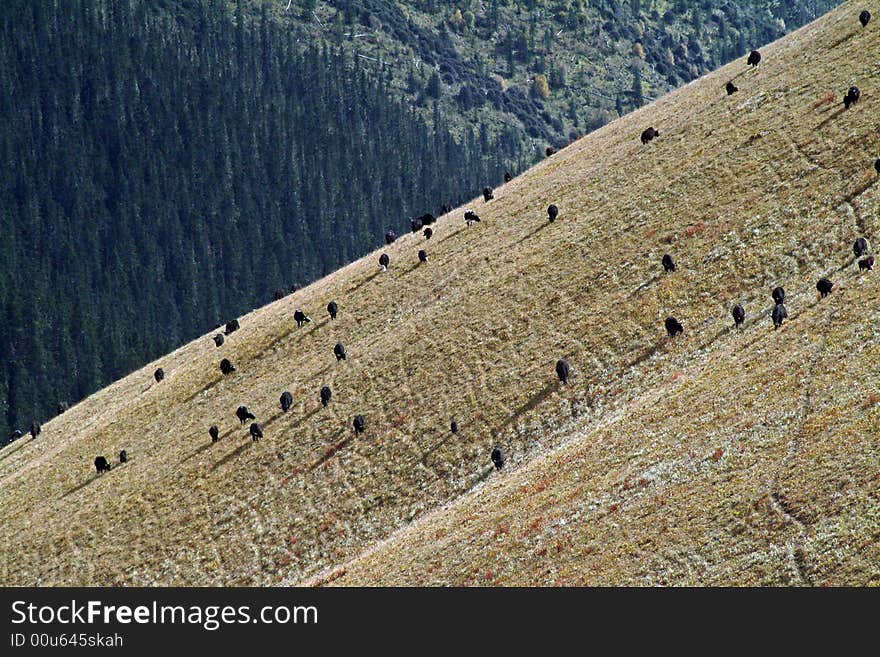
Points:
x=721 y=457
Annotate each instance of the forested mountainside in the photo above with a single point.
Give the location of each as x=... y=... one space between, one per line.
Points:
x=165 y=171
x=554 y=69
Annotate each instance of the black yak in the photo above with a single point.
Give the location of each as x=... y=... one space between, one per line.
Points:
x=445 y=208
x=231 y=326
x=731 y=88
x=415 y=225
x=778 y=295
x=300 y=317
x=779 y=315
x=218 y=339
x=497 y=458
x=427 y=219
x=326 y=396
x=552 y=213
x=865 y=18
x=123 y=457
x=739 y=315
x=332 y=309
x=668 y=263
x=294 y=288
x=359 y=424
x=860 y=247
x=390 y=236
x=866 y=263
x=279 y=294
x=226 y=366
x=649 y=134
x=852 y=97
x=243 y=414
x=754 y=58
x=36 y=429
x=159 y=374
x=562 y=370
x=487 y=194
x=549 y=151
x=384 y=261
x=507 y=177
x=877 y=166
x=286 y=400
x=453 y=426
x=339 y=351
x=673 y=327
x=470 y=217
x=101 y=464
x=423 y=256
x=62 y=407
x=214 y=432
x=428 y=233
x=15 y=435
x=824 y=286
x=256 y=431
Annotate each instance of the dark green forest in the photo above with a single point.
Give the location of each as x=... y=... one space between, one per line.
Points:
x=165 y=171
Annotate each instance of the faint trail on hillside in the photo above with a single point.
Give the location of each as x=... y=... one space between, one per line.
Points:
x=778 y=501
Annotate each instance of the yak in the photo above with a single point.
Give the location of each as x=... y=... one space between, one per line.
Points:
x=123 y=457
x=824 y=286
x=256 y=431
x=286 y=400
x=487 y=194
x=497 y=457
x=326 y=395
x=549 y=151
x=384 y=261
x=649 y=134
x=159 y=374
x=852 y=97
x=101 y=464
x=877 y=166
x=301 y=318
x=860 y=247
x=243 y=414
x=427 y=219
x=231 y=326
x=673 y=326
x=279 y=294
x=562 y=370
x=453 y=426
x=339 y=351
x=218 y=340
x=754 y=58
x=866 y=263
x=214 y=432
x=507 y=177
x=332 y=309
x=668 y=263
x=778 y=295
x=359 y=424
x=731 y=88
x=865 y=18
x=739 y=315
x=415 y=225
x=423 y=256
x=226 y=366
x=428 y=233
x=470 y=217
x=552 y=213
x=36 y=429
x=779 y=315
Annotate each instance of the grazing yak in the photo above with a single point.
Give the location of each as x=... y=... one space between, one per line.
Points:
x=218 y=340
x=231 y=326
x=423 y=256
x=62 y=407
x=294 y=288
x=159 y=374
x=649 y=134
x=754 y=58
x=214 y=432
x=15 y=435
x=673 y=326
x=552 y=213
x=866 y=263
x=359 y=424
x=852 y=97
x=326 y=396
x=860 y=247
x=497 y=457
x=301 y=318
x=731 y=88
x=562 y=370
x=668 y=263
x=778 y=295
x=226 y=366
x=779 y=315
x=453 y=426
x=256 y=431
x=428 y=233
x=390 y=236
x=415 y=225
x=332 y=309
x=824 y=286
x=507 y=177
x=487 y=194
x=339 y=351
x=36 y=429
x=427 y=219
x=739 y=315
x=286 y=400
x=877 y=166
x=279 y=294
x=549 y=151
x=470 y=217
x=101 y=464
x=384 y=261
x=865 y=18
x=243 y=414
x=123 y=457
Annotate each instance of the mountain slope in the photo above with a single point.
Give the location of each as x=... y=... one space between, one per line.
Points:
x=720 y=456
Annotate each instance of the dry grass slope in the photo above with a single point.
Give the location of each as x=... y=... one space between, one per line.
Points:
x=747 y=457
